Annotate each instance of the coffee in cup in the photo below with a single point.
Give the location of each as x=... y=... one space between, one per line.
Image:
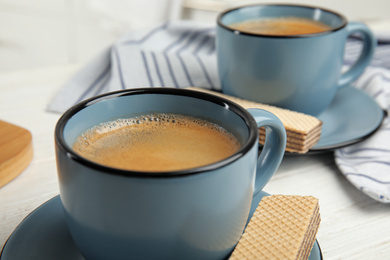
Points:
x=281 y=26
x=156 y=142
x=297 y=70
x=196 y=212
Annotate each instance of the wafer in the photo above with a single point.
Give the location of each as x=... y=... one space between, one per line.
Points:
x=303 y=131
x=282 y=227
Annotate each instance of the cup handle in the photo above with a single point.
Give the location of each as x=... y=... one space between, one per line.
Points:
x=369 y=44
x=273 y=149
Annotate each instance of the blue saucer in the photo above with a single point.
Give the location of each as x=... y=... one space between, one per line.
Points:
x=352 y=117
x=44 y=235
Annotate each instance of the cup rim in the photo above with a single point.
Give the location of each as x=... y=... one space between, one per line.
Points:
x=247 y=118
x=236 y=31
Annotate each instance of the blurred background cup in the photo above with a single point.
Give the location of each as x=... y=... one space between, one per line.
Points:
x=299 y=72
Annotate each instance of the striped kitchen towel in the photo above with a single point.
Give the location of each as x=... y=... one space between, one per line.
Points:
x=176 y=54
x=382 y=52
x=367 y=164
x=182 y=54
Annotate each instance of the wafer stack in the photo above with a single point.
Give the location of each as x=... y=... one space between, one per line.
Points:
x=282 y=227
x=303 y=131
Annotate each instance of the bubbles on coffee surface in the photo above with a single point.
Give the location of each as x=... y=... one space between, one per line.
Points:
x=156 y=142
x=151 y=120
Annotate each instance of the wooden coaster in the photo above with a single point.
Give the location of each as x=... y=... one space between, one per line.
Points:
x=16 y=151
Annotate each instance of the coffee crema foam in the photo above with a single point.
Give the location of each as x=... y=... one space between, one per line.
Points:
x=156 y=142
x=283 y=26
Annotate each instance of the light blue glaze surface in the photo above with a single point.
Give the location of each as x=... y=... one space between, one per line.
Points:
x=44 y=235
x=352 y=116
x=298 y=73
x=195 y=216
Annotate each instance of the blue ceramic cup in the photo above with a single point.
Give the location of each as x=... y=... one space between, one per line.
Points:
x=298 y=72
x=198 y=213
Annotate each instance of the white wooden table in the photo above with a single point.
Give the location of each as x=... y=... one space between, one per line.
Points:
x=353 y=226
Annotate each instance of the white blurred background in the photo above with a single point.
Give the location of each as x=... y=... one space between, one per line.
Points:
x=41 y=33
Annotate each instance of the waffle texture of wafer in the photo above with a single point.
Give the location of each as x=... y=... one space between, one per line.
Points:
x=303 y=131
x=282 y=227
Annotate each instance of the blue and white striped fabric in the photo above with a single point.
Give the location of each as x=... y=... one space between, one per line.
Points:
x=182 y=54
x=381 y=57
x=176 y=54
x=367 y=164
